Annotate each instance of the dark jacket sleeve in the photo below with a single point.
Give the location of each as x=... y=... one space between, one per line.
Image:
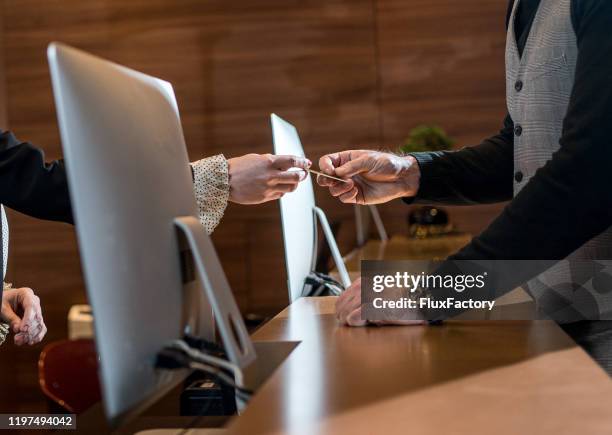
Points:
x=30 y=185
x=474 y=175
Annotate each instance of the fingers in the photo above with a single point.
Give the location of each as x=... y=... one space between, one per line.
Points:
x=11 y=318
x=350 y=197
x=40 y=333
x=287 y=162
x=345 y=192
x=289 y=177
x=30 y=306
x=354 y=167
x=32 y=328
x=284 y=182
x=284 y=188
x=280 y=190
x=337 y=189
x=328 y=163
x=326 y=182
x=21 y=339
x=354 y=318
x=348 y=302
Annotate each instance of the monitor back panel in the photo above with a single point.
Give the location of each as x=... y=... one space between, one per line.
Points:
x=129 y=177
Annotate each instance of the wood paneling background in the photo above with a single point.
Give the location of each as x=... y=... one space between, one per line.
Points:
x=348 y=73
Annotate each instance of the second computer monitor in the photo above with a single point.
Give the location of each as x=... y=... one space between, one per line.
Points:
x=299 y=216
x=297 y=213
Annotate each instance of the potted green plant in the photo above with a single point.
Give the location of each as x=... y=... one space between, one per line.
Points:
x=427 y=221
x=426 y=138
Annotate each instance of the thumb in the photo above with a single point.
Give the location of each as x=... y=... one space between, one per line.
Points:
x=11 y=318
x=354 y=167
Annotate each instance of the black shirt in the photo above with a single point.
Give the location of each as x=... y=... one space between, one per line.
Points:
x=569 y=200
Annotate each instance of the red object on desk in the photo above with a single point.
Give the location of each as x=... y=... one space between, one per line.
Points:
x=68 y=374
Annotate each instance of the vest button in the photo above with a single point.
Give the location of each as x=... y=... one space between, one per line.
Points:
x=518 y=130
x=518 y=176
x=518 y=86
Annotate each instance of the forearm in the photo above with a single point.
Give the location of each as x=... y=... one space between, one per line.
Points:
x=474 y=175
x=563 y=206
x=29 y=184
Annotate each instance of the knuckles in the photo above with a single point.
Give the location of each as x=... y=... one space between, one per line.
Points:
x=26 y=292
x=269 y=158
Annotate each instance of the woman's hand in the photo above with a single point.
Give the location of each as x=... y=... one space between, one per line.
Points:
x=21 y=310
x=257 y=178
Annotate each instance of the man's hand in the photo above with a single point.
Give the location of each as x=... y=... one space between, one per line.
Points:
x=257 y=178
x=373 y=177
x=348 y=310
x=348 y=306
x=21 y=310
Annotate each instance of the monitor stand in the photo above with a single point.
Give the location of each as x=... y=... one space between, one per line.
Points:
x=216 y=291
x=363 y=213
x=256 y=361
x=333 y=246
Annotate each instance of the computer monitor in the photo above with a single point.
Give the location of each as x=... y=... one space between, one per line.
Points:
x=299 y=216
x=133 y=204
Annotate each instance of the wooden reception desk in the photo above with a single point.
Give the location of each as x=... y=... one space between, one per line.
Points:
x=400 y=247
x=461 y=378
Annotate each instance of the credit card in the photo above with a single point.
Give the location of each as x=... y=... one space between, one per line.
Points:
x=312 y=171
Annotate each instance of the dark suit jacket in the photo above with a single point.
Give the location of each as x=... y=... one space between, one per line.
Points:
x=30 y=185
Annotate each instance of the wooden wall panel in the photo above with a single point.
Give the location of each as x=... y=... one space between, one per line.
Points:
x=347 y=73
x=441 y=62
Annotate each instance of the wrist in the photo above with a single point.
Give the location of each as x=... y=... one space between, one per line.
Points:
x=410 y=176
x=231 y=172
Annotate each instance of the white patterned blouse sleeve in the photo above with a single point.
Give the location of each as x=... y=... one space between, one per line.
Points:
x=211 y=188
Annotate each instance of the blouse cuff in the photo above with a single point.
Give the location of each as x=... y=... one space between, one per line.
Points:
x=211 y=188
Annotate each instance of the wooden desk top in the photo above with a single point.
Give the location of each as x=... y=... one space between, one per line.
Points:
x=460 y=378
x=400 y=247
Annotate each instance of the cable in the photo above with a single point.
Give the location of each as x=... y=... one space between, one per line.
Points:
x=172 y=358
x=210 y=360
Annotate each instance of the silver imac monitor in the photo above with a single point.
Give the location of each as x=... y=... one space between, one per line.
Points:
x=134 y=207
x=299 y=216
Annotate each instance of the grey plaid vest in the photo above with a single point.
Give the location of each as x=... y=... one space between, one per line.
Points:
x=538 y=88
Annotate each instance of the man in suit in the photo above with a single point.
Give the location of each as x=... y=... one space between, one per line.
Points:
x=552 y=159
x=30 y=185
